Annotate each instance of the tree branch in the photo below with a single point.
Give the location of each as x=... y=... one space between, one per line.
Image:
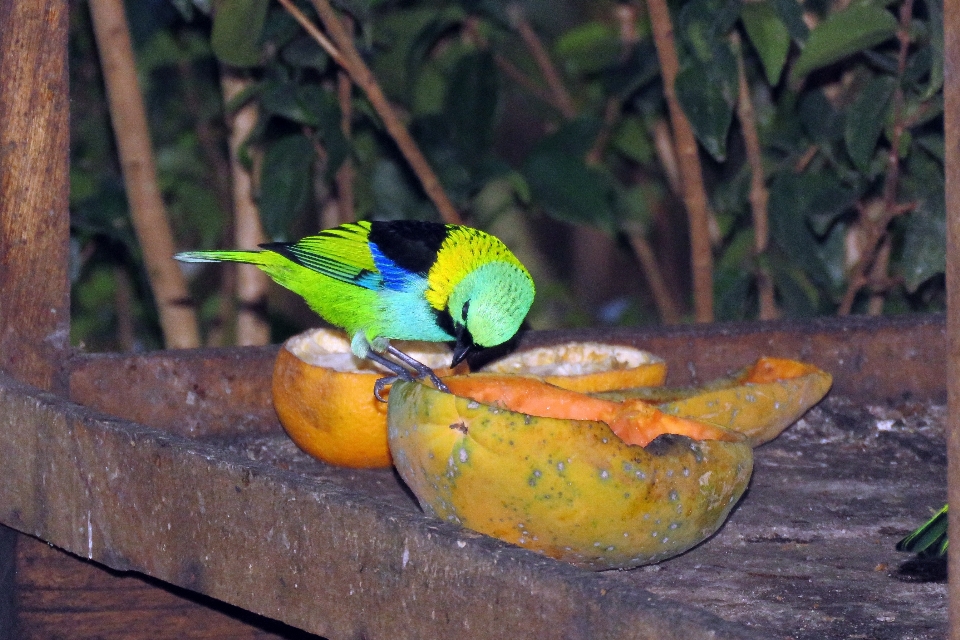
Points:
x=873 y=226
x=345 y=53
x=561 y=97
x=694 y=192
x=651 y=269
x=759 y=195
x=128 y=115
x=252 y=283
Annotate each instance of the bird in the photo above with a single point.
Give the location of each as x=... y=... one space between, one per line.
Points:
x=400 y=280
x=930 y=538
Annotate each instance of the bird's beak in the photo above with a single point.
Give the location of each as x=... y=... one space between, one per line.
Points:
x=460 y=352
x=463 y=346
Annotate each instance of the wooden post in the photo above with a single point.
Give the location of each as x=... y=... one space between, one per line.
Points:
x=34 y=179
x=951 y=90
x=34 y=216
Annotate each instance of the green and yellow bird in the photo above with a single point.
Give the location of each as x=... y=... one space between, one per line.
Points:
x=930 y=538
x=400 y=280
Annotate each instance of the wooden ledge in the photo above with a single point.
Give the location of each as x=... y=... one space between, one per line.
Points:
x=148 y=476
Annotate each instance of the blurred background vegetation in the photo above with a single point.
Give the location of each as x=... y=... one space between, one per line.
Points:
x=651 y=162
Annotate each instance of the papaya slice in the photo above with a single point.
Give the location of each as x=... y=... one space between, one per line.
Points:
x=760 y=400
x=543 y=468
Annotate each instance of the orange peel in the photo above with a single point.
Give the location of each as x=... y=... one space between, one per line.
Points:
x=323 y=395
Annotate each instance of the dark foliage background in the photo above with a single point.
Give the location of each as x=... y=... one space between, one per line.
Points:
x=577 y=173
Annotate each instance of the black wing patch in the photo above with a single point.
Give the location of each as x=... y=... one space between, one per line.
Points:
x=411 y=244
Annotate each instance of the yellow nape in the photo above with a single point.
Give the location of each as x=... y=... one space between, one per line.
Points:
x=464 y=250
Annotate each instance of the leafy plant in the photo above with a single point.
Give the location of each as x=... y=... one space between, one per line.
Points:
x=818 y=129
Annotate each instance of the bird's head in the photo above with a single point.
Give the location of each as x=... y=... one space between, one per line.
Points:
x=488 y=305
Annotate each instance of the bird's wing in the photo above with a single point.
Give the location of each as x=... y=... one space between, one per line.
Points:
x=410 y=245
x=342 y=253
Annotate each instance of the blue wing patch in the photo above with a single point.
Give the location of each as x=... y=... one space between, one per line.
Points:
x=393 y=276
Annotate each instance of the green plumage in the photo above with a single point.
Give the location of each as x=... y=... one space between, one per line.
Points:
x=930 y=539
x=405 y=280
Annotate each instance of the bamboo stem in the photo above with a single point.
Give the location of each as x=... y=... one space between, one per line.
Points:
x=694 y=192
x=611 y=115
x=252 y=283
x=759 y=195
x=345 y=174
x=344 y=52
x=561 y=97
x=875 y=226
x=128 y=115
x=666 y=307
x=951 y=120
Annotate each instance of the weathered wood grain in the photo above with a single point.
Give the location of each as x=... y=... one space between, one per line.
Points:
x=62 y=596
x=34 y=218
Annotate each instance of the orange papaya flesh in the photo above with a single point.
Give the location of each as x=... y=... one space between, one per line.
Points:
x=633 y=421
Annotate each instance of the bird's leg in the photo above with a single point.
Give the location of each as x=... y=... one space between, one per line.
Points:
x=399 y=371
x=402 y=366
x=421 y=369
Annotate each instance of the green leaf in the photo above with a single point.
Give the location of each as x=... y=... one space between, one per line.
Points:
x=769 y=37
x=438 y=26
x=569 y=190
x=237 y=26
x=397 y=194
x=633 y=206
x=935 y=13
x=793 y=199
x=843 y=33
x=285 y=183
x=707 y=94
x=563 y=184
x=819 y=119
x=925 y=233
x=733 y=277
x=471 y=103
x=702 y=25
x=588 y=48
x=865 y=119
x=925 y=241
x=635 y=70
x=632 y=140
x=305 y=52
x=791 y=13
x=797 y=295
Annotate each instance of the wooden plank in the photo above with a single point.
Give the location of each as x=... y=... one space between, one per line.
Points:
x=8 y=549
x=310 y=550
x=57 y=591
x=226 y=392
x=244 y=517
x=34 y=218
x=951 y=119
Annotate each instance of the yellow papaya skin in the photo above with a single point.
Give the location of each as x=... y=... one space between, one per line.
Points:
x=759 y=401
x=569 y=489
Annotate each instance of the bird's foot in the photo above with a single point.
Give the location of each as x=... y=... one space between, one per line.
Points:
x=406 y=369
x=437 y=382
x=383 y=383
x=380 y=384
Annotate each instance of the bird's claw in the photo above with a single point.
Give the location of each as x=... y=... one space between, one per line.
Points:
x=379 y=385
x=382 y=383
x=437 y=382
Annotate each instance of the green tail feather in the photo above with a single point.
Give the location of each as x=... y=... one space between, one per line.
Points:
x=930 y=539
x=249 y=257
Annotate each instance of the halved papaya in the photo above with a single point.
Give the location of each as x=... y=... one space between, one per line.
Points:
x=543 y=468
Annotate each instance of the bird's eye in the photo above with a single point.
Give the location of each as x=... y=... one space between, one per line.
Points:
x=463 y=314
